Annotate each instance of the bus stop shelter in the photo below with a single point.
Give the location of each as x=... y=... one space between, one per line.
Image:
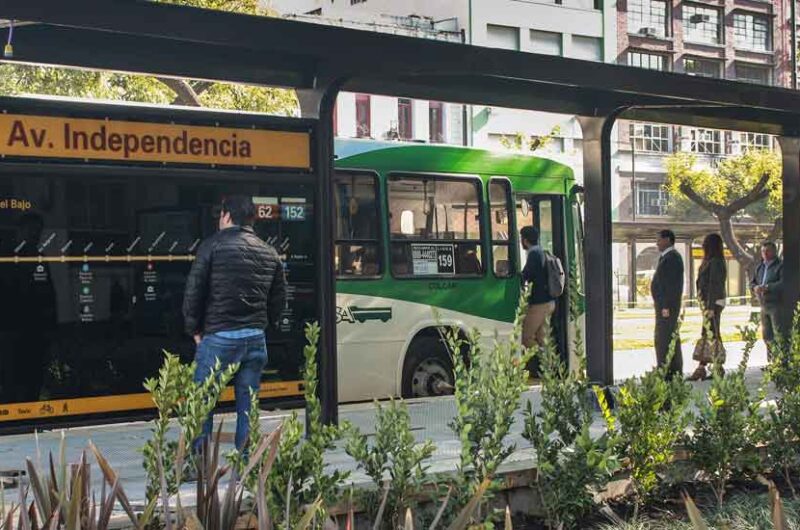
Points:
x=146 y=37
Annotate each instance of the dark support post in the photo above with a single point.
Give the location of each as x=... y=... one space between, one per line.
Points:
x=599 y=287
x=319 y=103
x=632 y=274
x=790 y=150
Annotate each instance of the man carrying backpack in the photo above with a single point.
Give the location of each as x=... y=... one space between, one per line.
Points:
x=544 y=273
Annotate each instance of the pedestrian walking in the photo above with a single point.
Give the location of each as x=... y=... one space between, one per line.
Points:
x=235 y=291
x=541 y=304
x=667 y=292
x=712 y=278
x=767 y=286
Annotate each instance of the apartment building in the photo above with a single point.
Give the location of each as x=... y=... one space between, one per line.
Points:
x=743 y=40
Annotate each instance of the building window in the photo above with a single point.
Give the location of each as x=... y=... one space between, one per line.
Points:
x=702 y=24
x=354 y=2
x=751 y=31
x=405 y=118
x=651 y=137
x=647 y=17
x=751 y=73
x=363 y=116
x=702 y=67
x=748 y=141
x=705 y=141
x=588 y=48
x=436 y=122
x=545 y=42
x=650 y=61
x=651 y=199
x=506 y=37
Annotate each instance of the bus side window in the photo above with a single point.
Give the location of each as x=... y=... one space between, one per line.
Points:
x=500 y=211
x=356 y=227
x=435 y=226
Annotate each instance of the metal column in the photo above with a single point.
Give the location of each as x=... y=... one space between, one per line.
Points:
x=319 y=103
x=599 y=287
x=790 y=150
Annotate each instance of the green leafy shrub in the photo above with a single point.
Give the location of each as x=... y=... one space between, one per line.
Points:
x=488 y=387
x=394 y=458
x=650 y=419
x=571 y=465
x=177 y=396
x=298 y=477
x=726 y=425
x=782 y=425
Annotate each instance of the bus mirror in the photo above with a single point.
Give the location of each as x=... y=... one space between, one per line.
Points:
x=407 y=223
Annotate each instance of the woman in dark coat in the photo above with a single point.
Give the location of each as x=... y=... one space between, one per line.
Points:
x=712 y=279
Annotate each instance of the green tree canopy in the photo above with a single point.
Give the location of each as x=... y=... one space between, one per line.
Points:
x=744 y=186
x=26 y=79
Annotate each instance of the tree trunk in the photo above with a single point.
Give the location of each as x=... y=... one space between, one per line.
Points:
x=745 y=258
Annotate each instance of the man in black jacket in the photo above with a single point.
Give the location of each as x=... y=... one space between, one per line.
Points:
x=540 y=304
x=667 y=291
x=767 y=285
x=235 y=290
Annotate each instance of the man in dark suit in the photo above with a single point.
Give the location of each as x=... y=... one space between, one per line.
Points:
x=667 y=291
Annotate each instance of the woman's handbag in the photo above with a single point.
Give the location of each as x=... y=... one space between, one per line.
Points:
x=709 y=350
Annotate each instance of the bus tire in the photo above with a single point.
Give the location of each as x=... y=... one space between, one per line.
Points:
x=428 y=370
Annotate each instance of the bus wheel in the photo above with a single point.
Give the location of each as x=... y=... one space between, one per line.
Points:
x=428 y=369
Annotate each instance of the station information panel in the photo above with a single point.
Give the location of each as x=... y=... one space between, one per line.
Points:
x=101 y=214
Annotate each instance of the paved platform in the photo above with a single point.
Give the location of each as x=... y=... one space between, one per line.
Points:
x=429 y=417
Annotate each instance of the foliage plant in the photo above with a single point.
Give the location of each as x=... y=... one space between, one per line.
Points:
x=749 y=184
x=488 y=387
x=32 y=79
x=782 y=426
x=651 y=417
x=393 y=458
x=571 y=464
x=726 y=424
x=178 y=397
x=299 y=477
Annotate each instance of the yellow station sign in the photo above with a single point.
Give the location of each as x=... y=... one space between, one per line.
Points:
x=91 y=139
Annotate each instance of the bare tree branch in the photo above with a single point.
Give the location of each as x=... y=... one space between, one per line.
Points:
x=777 y=230
x=740 y=252
x=756 y=194
x=186 y=95
x=198 y=87
x=695 y=197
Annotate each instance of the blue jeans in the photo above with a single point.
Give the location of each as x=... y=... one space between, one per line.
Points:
x=251 y=354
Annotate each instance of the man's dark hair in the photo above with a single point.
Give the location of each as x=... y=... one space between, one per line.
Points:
x=770 y=244
x=668 y=234
x=241 y=209
x=530 y=234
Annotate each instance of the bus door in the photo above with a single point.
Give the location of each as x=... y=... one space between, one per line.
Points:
x=546 y=214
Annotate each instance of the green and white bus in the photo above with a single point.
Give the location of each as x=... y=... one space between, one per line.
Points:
x=428 y=236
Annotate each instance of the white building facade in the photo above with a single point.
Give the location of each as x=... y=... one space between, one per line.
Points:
x=584 y=29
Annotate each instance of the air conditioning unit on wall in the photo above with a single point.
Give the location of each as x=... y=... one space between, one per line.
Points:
x=648 y=32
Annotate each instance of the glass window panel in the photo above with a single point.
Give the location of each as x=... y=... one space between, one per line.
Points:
x=701 y=24
x=435 y=226
x=702 y=67
x=758 y=75
x=357 y=225
x=651 y=137
x=651 y=199
x=650 y=61
x=506 y=37
x=647 y=17
x=546 y=42
x=500 y=210
x=751 y=31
